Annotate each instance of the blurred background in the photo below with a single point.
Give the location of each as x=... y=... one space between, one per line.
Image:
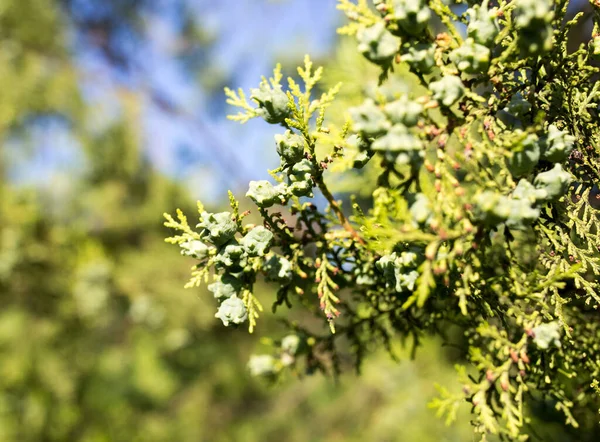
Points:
x=112 y=112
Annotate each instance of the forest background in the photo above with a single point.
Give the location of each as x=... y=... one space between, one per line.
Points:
x=112 y=112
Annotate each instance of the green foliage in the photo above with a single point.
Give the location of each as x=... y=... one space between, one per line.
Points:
x=99 y=342
x=482 y=213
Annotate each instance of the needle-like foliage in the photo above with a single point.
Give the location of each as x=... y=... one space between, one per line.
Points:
x=484 y=214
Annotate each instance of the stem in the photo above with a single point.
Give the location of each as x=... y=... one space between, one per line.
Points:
x=327 y=194
x=336 y=208
x=446 y=16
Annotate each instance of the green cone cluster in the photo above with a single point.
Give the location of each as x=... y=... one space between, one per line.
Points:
x=522 y=207
x=268 y=365
x=272 y=103
x=471 y=57
x=395 y=121
x=299 y=170
x=411 y=16
x=420 y=57
x=399 y=270
x=232 y=311
x=290 y=148
x=447 y=90
x=278 y=268
x=264 y=194
x=195 y=249
x=533 y=21
x=526 y=153
x=483 y=26
x=377 y=44
x=231 y=257
x=558 y=145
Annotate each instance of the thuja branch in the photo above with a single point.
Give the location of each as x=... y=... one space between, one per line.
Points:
x=473 y=219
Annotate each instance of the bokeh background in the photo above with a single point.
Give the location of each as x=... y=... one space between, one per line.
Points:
x=112 y=112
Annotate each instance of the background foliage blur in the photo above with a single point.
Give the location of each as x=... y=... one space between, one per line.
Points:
x=112 y=112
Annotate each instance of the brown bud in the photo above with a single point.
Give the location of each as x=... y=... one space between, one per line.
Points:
x=431 y=251
x=441 y=268
x=443 y=40
x=458 y=249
